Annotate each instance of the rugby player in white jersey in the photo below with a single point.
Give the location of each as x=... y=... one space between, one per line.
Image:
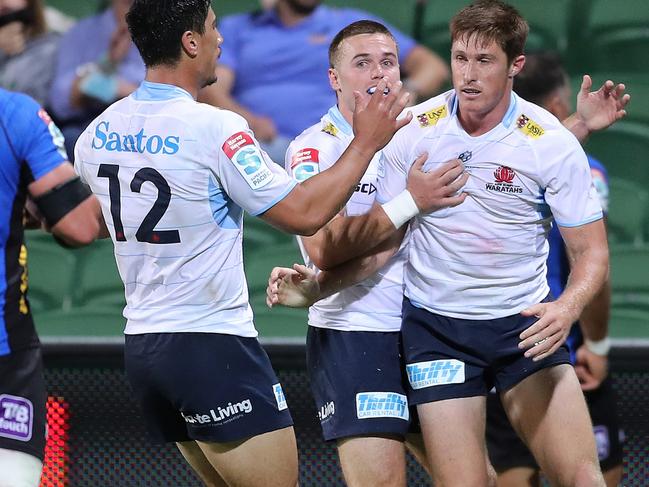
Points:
x=480 y=266
x=173 y=177
x=353 y=357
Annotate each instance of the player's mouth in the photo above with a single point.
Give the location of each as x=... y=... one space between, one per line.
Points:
x=372 y=89
x=471 y=92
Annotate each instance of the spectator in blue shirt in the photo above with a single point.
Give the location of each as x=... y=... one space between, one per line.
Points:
x=97 y=64
x=272 y=69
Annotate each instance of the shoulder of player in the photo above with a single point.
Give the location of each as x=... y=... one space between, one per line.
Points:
x=538 y=127
x=429 y=113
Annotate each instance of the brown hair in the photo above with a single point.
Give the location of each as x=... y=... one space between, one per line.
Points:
x=356 y=28
x=492 y=20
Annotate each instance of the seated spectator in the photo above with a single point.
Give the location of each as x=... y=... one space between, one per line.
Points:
x=273 y=64
x=27 y=50
x=97 y=64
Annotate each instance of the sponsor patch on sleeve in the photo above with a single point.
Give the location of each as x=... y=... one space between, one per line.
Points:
x=382 y=405
x=431 y=117
x=305 y=163
x=435 y=373
x=280 y=397
x=529 y=127
x=247 y=158
x=601 y=186
x=57 y=137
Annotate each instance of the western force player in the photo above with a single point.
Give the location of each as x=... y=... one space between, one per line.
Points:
x=173 y=177
x=544 y=82
x=353 y=356
x=472 y=269
x=33 y=166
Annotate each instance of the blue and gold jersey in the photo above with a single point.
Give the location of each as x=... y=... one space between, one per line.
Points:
x=30 y=147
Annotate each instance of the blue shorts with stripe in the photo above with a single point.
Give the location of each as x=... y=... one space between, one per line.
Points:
x=450 y=358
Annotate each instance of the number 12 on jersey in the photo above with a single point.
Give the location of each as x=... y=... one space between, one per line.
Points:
x=146 y=232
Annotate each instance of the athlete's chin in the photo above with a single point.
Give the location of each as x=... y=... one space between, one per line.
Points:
x=210 y=81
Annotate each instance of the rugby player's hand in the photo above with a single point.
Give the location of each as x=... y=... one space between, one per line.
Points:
x=591 y=369
x=375 y=120
x=439 y=188
x=545 y=336
x=602 y=108
x=296 y=288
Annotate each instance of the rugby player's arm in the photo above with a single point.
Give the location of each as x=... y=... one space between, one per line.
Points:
x=587 y=250
x=300 y=286
x=82 y=224
x=597 y=110
x=360 y=268
x=312 y=203
x=344 y=238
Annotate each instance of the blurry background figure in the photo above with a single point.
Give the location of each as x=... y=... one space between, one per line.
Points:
x=58 y=21
x=27 y=49
x=97 y=64
x=273 y=67
x=543 y=81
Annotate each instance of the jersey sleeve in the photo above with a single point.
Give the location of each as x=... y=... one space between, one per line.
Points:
x=600 y=181
x=245 y=171
x=569 y=189
x=307 y=157
x=37 y=140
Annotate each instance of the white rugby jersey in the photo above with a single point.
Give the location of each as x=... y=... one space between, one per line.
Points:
x=485 y=258
x=173 y=177
x=375 y=303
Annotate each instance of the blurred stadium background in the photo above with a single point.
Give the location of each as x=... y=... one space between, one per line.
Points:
x=97 y=436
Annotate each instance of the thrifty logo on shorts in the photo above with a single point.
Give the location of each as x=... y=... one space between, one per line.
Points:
x=16 y=417
x=248 y=160
x=382 y=405
x=279 y=396
x=435 y=373
x=220 y=414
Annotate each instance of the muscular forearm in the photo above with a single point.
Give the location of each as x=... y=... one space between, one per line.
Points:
x=317 y=200
x=594 y=318
x=589 y=271
x=359 y=268
x=345 y=238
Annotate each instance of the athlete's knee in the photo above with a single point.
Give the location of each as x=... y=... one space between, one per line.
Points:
x=19 y=469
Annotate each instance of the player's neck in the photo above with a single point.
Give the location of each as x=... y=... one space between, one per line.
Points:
x=347 y=114
x=476 y=123
x=174 y=76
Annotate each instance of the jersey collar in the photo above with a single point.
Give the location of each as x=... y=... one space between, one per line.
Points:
x=507 y=120
x=339 y=121
x=150 y=91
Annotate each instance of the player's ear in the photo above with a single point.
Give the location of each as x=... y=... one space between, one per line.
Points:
x=517 y=65
x=189 y=43
x=333 y=79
